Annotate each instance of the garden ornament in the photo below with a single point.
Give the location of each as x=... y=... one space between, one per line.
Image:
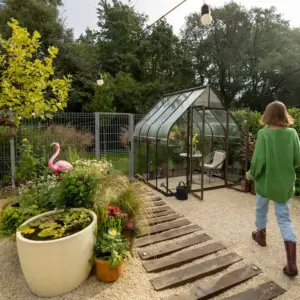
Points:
x=61 y=165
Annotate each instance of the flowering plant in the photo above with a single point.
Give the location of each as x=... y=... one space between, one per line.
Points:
x=102 y=166
x=112 y=247
x=107 y=216
x=195 y=139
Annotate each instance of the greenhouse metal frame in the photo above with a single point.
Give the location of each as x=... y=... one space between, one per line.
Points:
x=181 y=138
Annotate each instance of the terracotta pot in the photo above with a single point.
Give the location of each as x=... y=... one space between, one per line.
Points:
x=107 y=274
x=129 y=236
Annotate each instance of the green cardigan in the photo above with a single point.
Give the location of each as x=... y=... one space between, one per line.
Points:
x=276 y=155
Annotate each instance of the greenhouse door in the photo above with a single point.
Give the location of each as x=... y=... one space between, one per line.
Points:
x=195 y=146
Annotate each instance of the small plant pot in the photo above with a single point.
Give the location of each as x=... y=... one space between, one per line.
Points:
x=105 y=273
x=130 y=237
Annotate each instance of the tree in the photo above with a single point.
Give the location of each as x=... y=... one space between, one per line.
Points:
x=120 y=27
x=82 y=61
x=248 y=55
x=28 y=85
x=35 y=15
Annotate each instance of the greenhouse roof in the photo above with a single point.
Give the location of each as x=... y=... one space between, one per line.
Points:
x=156 y=125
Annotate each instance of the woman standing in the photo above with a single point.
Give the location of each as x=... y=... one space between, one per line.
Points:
x=276 y=155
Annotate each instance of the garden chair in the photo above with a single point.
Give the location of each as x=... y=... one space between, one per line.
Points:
x=213 y=163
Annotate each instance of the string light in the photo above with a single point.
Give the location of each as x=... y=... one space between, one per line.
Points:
x=206 y=18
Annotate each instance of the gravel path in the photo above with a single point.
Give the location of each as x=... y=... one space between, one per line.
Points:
x=226 y=215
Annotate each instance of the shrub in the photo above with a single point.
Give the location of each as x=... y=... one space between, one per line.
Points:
x=29 y=167
x=66 y=136
x=79 y=187
x=76 y=190
x=41 y=194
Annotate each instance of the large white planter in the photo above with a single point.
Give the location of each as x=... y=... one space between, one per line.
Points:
x=53 y=268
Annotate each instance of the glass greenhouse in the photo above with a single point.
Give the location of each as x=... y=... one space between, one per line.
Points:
x=185 y=138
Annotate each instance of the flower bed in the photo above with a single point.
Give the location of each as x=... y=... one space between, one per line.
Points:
x=56 y=237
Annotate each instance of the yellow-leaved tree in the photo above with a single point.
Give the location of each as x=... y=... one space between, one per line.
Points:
x=27 y=83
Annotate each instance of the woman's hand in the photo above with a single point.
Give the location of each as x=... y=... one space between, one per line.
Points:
x=248 y=177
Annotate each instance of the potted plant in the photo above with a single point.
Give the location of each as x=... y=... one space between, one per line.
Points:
x=132 y=202
x=55 y=249
x=125 y=199
x=110 y=251
x=128 y=225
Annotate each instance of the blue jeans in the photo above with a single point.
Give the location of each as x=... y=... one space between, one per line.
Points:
x=282 y=211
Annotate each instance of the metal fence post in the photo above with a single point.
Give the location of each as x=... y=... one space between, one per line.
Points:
x=131 y=144
x=12 y=154
x=97 y=135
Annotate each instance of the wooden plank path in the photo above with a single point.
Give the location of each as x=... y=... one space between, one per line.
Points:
x=176 y=246
x=157 y=209
x=162 y=219
x=166 y=224
x=163 y=213
x=209 y=289
x=181 y=258
x=267 y=291
x=164 y=236
x=194 y=272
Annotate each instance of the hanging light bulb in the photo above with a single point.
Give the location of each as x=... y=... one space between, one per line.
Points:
x=206 y=18
x=100 y=80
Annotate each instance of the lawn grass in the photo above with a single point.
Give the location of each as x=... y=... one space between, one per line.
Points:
x=120 y=161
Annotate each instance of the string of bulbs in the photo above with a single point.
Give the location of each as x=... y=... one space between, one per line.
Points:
x=206 y=20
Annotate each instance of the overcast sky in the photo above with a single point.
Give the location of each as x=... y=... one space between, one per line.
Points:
x=81 y=14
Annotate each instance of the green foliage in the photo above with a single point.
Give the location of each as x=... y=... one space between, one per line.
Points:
x=13 y=217
x=27 y=83
x=295 y=113
x=103 y=99
x=29 y=166
x=112 y=247
x=41 y=194
x=42 y=16
x=252 y=118
x=78 y=188
x=57 y=225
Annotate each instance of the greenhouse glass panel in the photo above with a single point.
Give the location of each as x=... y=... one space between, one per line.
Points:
x=146 y=126
x=221 y=115
x=217 y=128
x=170 y=119
x=202 y=100
x=168 y=113
x=156 y=107
x=197 y=118
x=214 y=101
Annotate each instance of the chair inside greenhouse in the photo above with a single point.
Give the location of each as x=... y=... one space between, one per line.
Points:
x=185 y=138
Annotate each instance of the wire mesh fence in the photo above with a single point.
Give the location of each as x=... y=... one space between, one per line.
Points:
x=85 y=135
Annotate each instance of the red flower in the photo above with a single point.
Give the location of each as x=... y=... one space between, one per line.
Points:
x=114 y=210
x=99 y=218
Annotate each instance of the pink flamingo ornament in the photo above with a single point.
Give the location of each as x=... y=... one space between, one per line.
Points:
x=61 y=165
